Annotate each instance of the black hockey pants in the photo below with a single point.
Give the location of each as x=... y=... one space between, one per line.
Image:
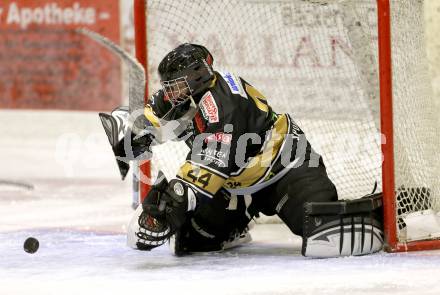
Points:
x=287 y=196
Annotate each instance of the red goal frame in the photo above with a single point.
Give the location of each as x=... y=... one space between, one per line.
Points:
x=386 y=114
x=386 y=105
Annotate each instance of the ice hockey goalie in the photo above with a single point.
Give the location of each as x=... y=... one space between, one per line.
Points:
x=245 y=158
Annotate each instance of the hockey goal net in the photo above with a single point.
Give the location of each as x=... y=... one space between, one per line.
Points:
x=352 y=73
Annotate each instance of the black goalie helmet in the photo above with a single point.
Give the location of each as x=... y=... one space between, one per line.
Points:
x=186 y=72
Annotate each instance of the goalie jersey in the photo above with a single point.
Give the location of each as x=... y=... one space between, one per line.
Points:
x=237 y=142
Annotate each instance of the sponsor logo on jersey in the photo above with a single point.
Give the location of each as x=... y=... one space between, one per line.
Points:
x=209 y=108
x=214 y=153
x=214 y=156
x=233 y=83
x=219 y=137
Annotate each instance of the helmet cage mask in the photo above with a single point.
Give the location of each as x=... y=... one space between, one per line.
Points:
x=176 y=91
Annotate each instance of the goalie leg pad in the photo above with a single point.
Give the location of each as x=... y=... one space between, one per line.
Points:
x=343 y=228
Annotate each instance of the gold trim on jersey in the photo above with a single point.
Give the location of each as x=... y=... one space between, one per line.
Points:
x=206 y=180
x=257 y=97
x=259 y=167
x=213 y=82
x=149 y=114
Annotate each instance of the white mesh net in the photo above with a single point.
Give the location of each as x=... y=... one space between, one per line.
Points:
x=317 y=60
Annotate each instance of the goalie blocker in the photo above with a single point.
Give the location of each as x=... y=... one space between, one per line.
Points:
x=343 y=228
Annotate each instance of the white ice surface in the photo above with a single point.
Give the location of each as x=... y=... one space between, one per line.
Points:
x=79 y=216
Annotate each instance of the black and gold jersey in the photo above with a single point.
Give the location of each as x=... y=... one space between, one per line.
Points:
x=239 y=143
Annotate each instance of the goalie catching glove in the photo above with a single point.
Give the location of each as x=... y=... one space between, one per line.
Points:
x=171 y=201
x=162 y=213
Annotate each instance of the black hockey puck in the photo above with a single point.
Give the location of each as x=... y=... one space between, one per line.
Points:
x=31 y=245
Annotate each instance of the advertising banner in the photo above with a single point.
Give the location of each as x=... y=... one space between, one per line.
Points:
x=46 y=64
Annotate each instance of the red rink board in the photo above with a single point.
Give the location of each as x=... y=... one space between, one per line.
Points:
x=44 y=64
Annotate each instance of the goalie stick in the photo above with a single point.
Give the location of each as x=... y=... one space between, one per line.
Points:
x=137 y=84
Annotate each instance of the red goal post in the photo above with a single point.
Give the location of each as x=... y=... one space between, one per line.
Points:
x=140 y=30
x=397 y=198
